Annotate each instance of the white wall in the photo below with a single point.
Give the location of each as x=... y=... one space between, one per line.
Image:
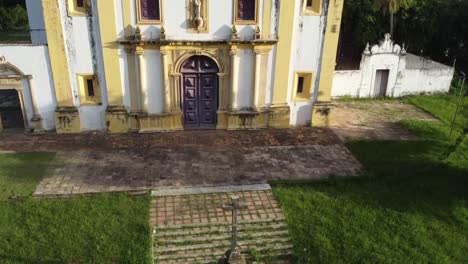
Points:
x=175 y=21
x=409 y=74
x=80 y=51
x=306 y=54
x=152 y=86
x=246 y=77
x=34 y=60
x=346 y=83
x=36 y=21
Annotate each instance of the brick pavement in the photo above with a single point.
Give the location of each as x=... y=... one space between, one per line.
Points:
x=376 y=119
x=91 y=171
x=138 y=162
x=206 y=138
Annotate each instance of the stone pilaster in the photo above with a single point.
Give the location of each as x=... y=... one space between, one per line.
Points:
x=166 y=84
x=234 y=78
x=36 y=119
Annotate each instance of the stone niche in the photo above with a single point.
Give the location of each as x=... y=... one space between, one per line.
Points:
x=197 y=16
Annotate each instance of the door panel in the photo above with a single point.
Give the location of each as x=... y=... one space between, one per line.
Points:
x=200 y=92
x=190 y=99
x=381 y=82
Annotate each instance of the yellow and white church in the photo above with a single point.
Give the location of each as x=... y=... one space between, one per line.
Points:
x=164 y=65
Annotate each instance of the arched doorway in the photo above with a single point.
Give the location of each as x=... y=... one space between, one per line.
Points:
x=11 y=111
x=199 y=85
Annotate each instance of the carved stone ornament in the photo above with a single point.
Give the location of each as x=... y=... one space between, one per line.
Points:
x=2 y=59
x=385 y=46
x=197 y=18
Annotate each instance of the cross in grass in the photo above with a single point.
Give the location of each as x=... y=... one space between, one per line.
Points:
x=234 y=207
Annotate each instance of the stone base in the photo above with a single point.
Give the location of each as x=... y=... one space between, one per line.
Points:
x=279 y=116
x=160 y=122
x=223 y=120
x=321 y=114
x=37 y=124
x=117 y=119
x=67 y=120
x=133 y=122
x=245 y=120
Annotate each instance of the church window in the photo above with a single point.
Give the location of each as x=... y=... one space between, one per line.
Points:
x=149 y=11
x=78 y=7
x=303 y=86
x=90 y=93
x=312 y=7
x=246 y=11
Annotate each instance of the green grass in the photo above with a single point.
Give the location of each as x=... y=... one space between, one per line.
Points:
x=20 y=173
x=409 y=206
x=107 y=228
x=443 y=107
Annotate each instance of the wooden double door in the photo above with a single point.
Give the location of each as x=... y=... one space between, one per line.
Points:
x=199 y=93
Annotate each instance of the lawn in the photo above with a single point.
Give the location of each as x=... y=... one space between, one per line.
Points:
x=409 y=206
x=15 y=37
x=107 y=228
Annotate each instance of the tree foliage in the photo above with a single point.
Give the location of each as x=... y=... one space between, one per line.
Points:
x=13 y=16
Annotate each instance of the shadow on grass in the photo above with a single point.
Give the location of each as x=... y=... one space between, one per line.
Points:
x=21 y=172
x=410 y=205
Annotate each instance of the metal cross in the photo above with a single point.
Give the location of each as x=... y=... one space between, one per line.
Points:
x=234 y=207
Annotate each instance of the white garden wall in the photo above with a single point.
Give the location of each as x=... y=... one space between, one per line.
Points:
x=408 y=73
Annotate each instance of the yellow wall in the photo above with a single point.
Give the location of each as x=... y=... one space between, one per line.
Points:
x=283 y=54
x=266 y=27
x=332 y=36
x=57 y=54
x=110 y=51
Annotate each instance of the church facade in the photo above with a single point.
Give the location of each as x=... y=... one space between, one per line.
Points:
x=163 y=65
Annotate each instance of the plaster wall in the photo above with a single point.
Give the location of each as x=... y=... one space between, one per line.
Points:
x=409 y=74
x=152 y=85
x=83 y=56
x=307 y=38
x=34 y=60
x=175 y=21
x=246 y=78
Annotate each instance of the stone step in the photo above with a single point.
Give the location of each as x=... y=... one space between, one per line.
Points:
x=201 y=237
x=280 y=258
x=219 y=230
x=172 y=249
x=278 y=251
x=240 y=223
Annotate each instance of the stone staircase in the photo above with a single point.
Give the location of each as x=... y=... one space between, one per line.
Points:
x=263 y=240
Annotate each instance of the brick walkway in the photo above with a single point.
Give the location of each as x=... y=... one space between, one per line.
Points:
x=181 y=139
x=139 y=162
x=376 y=119
x=129 y=170
x=194 y=228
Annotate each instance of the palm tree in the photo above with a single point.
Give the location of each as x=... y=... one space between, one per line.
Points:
x=392 y=6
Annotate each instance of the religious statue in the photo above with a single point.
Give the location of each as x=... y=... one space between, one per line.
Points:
x=197 y=19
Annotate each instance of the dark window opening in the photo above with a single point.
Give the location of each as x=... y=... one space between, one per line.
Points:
x=80 y=3
x=300 y=85
x=90 y=87
x=309 y=3
x=150 y=10
x=246 y=10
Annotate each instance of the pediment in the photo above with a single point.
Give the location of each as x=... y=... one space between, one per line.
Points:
x=7 y=70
